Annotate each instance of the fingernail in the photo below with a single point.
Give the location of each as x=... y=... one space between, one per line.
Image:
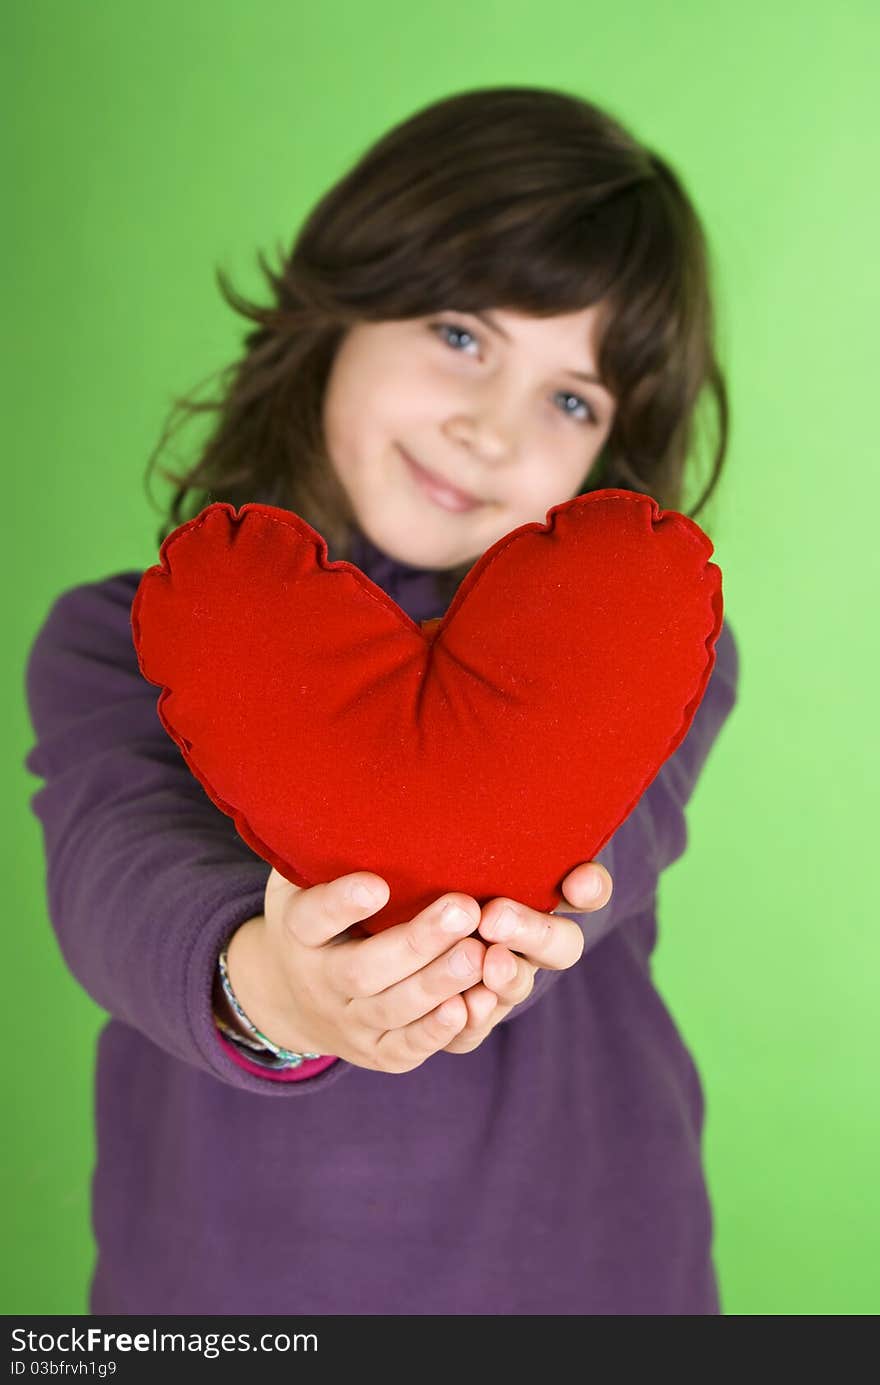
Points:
x=453 y=918
x=594 y=884
x=460 y=964
x=506 y=970
x=448 y=1014
x=506 y=924
x=364 y=894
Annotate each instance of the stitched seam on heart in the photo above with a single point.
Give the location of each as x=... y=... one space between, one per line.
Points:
x=290 y=520
x=322 y=554
x=688 y=713
x=484 y=564
x=261 y=848
x=237 y=814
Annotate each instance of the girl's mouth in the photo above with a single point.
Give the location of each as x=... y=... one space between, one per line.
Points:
x=448 y=497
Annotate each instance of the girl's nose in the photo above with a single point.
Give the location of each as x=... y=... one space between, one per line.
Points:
x=486 y=437
x=491 y=421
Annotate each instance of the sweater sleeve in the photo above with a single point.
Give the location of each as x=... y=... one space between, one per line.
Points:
x=145 y=877
x=654 y=834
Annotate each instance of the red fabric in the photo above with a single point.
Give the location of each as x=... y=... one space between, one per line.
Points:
x=488 y=753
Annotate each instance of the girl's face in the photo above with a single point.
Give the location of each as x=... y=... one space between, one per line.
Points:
x=448 y=431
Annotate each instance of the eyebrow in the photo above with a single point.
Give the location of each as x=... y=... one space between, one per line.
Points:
x=496 y=327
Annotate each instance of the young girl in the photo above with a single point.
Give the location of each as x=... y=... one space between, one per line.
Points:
x=505 y=303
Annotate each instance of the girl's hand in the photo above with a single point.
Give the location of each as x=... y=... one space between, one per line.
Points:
x=306 y=979
x=522 y=944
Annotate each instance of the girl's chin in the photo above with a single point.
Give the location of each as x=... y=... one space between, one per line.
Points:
x=415 y=552
x=435 y=559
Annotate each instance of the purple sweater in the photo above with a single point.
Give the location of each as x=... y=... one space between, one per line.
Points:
x=555 y=1170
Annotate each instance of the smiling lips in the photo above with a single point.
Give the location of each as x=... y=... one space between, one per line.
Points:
x=441 y=492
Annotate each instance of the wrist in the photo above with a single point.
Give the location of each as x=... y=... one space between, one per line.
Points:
x=253 y=977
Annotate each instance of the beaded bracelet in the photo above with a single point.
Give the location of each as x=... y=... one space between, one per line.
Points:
x=253 y=1053
x=287 y=1058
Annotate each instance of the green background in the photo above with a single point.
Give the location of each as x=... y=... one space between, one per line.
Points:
x=145 y=145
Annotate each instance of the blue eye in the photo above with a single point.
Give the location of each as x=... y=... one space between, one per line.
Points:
x=440 y=327
x=589 y=416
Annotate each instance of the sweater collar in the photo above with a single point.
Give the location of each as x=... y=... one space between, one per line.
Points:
x=414 y=589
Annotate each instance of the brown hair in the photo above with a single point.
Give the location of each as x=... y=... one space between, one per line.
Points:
x=515 y=197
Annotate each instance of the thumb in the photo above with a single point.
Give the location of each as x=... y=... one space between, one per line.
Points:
x=588 y=886
x=278 y=886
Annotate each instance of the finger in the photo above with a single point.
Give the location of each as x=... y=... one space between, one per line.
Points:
x=320 y=913
x=405 y=1001
x=586 y=888
x=484 y=1012
x=368 y=966
x=404 y=1049
x=547 y=940
x=481 y=1003
x=509 y=976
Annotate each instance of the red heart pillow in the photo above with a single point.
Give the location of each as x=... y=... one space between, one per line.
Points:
x=488 y=752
